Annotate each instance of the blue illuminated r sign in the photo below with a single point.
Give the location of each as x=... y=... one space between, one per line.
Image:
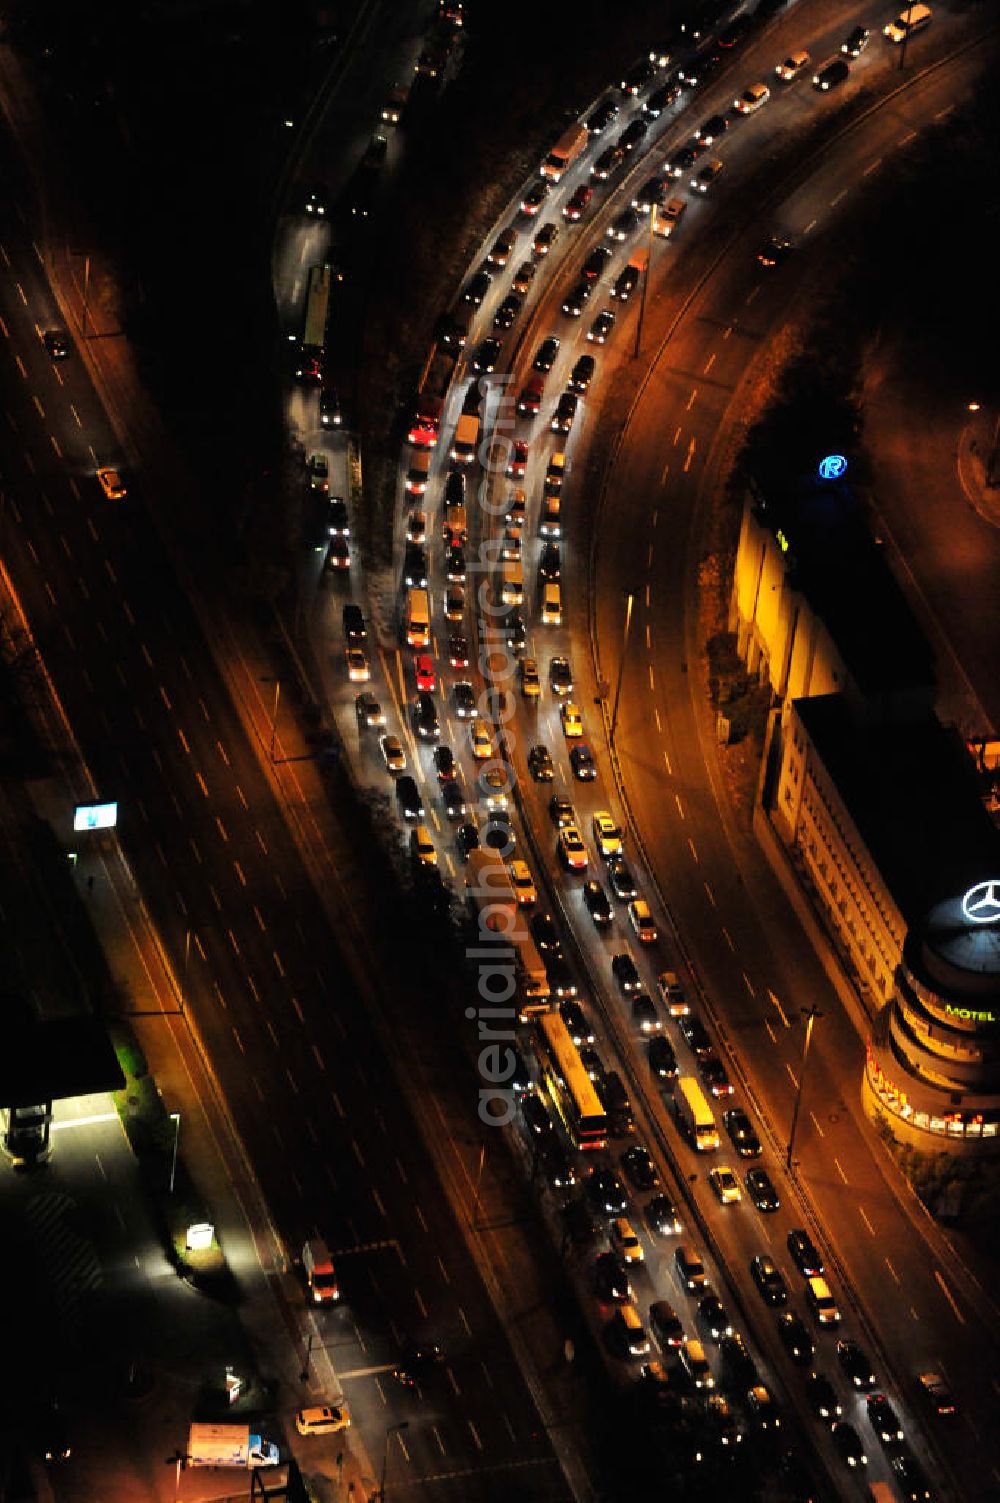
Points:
x=832 y=467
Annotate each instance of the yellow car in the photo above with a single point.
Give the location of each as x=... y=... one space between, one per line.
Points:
x=524 y=887
x=422 y=847
x=572 y=720
x=607 y=834
x=111 y=483
x=482 y=744
x=531 y=686
x=726 y=1185
x=625 y=1241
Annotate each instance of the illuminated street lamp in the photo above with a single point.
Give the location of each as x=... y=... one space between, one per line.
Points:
x=400 y=1426
x=645 y=283
x=629 y=602
x=810 y=1014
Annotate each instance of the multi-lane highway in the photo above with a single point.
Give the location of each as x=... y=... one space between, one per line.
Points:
x=290 y=1033
x=754 y=969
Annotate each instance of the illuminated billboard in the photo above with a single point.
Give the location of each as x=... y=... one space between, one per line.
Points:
x=95 y=816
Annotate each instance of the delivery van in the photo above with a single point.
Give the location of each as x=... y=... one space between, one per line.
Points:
x=418 y=619
x=512 y=584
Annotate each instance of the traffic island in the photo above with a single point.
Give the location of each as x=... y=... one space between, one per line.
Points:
x=182 y=1219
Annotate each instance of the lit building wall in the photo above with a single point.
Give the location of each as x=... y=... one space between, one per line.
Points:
x=817 y=827
x=778 y=633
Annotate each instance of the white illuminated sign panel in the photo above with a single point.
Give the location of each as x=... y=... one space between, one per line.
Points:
x=95 y=816
x=981 y=904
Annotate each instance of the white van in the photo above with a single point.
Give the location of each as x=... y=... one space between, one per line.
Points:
x=512 y=584
x=913 y=19
x=418 y=618
x=551 y=605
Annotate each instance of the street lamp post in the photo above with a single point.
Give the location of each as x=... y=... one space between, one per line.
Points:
x=274 y=714
x=629 y=602
x=401 y=1425
x=645 y=283
x=810 y=1014
x=175 y=1118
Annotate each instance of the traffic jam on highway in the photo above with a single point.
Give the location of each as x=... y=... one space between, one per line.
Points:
x=699 y=1279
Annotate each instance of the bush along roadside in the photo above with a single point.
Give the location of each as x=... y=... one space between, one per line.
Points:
x=174 y=1203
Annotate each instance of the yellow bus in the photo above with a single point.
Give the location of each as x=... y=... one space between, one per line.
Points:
x=313 y=349
x=568 y=1086
x=695 y=1115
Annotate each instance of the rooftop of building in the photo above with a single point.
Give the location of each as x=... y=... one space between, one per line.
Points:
x=912 y=794
x=842 y=572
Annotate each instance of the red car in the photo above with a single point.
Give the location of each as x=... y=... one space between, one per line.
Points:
x=458 y=651
x=518 y=462
x=423 y=669
x=579 y=202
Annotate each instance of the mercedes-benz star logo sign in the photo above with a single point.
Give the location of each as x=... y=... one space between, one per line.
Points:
x=981 y=904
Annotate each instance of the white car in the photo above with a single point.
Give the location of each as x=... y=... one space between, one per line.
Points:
x=357 y=666
x=752 y=99
x=792 y=66
x=322 y=1419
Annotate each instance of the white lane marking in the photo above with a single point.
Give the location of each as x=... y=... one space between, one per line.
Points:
x=841 y=1172
x=791 y=1075
x=475 y=1435
x=911 y=135
x=864 y=1218
x=664 y=473
x=680 y=806
x=650 y=678
x=693 y=851
x=940 y=1281
x=666 y=763
x=778 y=1007
x=815 y=1123
x=656 y=714
x=892 y=1270
x=677 y=437
x=710 y=894
x=709 y=363
x=729 y=939
x=770 y=1031
x=751 y=294
x=689 y=456
x=691 y=399
x=872 y=167
x=810 y=226
x=649 y=644
x=840 y=195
